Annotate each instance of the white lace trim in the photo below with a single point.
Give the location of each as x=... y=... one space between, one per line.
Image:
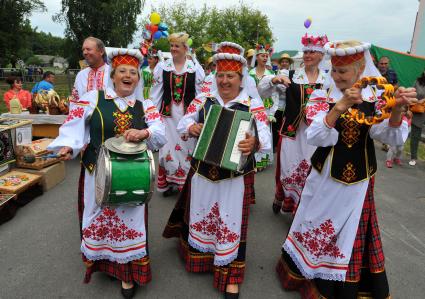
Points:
x=112 y=258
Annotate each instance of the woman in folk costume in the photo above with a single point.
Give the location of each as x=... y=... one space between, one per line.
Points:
x=211 y=215
x=258 y=72
x=293 y=151
x=176 y=82
x=153 y=58
x=333 y=248
x=97 y=116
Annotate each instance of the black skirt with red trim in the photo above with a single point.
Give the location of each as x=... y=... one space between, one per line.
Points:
x=365 y=278
x=137 y=271
x=196 y=261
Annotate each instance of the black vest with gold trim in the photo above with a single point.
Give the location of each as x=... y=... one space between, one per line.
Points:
x=211 y=172
x=107 y=121
x=297 y=96
x=352 y=158
x=177 y=88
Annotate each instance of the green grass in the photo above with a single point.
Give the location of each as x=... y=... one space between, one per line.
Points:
x=61 y=87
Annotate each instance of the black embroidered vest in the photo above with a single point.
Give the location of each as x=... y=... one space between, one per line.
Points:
x=297 y=96
x=353 y=156
x=177 y=88
x=212 y=172
x=107 y=121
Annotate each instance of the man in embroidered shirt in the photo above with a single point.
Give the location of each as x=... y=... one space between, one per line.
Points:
x=45 y=84
x=91 y=78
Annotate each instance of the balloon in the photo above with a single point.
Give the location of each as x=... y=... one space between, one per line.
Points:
x=155 y=18
x=162 y=27
x=189 y=42
x=157 y=35
x=165 y=33
x=307 y=22
x=153 y=29
x=146 y=34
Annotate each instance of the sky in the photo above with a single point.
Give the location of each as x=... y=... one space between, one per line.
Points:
x=385 y=23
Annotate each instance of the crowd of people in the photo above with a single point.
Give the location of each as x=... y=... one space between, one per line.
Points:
x=325 y=160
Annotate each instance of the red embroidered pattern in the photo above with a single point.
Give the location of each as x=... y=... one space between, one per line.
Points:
x=75 y=113
x=108 y=226
x=311 y=111
x=122 y=121
x=178 y=147
x=299 y=175
x=213 y=225
x=191 y=108
x=75 y=95
x=168 y=157
x=153 y=115
x=261 y=116
x=91 y=85
x=206 y=87
x=320 y=241
x=180 y=173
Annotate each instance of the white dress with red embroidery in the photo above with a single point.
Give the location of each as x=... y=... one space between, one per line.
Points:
x=174 y=157
x=321 y=238
x=216 y=207
x=295 y=152
x=116 y=234
x=90 y=79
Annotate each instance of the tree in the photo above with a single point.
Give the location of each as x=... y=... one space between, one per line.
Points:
x=240 y=24
x=114 y=22
x=15 y=29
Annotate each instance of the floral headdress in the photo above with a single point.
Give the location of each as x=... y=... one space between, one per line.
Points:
x=314 y=43
x=261 y=49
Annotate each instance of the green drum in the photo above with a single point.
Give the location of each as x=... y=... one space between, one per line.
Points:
x=124 y=179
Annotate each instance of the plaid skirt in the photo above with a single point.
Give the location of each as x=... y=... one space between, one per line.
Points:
x=196 y=261
x=138 y=271
x=365 y=278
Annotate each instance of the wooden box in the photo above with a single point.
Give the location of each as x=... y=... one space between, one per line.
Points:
x=50 y=176
x=37 y=148
x=15 y=182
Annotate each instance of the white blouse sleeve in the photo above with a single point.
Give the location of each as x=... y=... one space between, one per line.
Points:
x=318 y=134
x=199 y=78
x=192 y=115
x=264 y=134
x=156 y=91
x=390 y=135
x=266 y=88
x=155 y=124
x=75 y=130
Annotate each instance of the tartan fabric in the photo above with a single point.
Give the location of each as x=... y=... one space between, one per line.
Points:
x=279 y=195
x=125 y=59
x=196 y=261
x=228 y=65
x=138 y=271
x=367 y=249
x=346 y=60
x=289 y=205
x=366 y=276
x=162 y=179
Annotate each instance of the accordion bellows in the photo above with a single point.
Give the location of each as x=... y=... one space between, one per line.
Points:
x=223 y=130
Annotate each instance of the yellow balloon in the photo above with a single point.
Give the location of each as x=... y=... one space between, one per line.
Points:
x=155 y=18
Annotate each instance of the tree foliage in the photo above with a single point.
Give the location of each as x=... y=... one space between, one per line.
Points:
x=15 y=29
x=240 y=24
x=112 y=21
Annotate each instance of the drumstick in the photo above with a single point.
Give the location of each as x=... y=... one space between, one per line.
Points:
x=31 y=158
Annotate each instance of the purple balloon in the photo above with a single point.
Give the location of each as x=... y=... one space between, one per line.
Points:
x=307 y=23
x=157 y=35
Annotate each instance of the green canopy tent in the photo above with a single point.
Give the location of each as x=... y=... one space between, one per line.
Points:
x=408 y=67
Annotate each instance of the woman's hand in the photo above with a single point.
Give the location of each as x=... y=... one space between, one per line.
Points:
x=195 y=130
x=352 y=96
x=281 y=80
x=65 y=153
x=134 y=135
x=247 y=145
x=405 y=96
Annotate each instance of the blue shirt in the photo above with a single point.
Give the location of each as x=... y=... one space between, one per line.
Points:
x=42 y=85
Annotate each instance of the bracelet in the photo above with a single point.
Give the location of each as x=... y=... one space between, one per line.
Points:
x=325 y=121
x=391 y=124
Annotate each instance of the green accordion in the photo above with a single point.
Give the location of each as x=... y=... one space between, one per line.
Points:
x=222 y=131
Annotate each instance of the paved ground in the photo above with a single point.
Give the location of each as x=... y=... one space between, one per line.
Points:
x=40 y=258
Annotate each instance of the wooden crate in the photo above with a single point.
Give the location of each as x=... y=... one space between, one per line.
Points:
x=15 y=182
